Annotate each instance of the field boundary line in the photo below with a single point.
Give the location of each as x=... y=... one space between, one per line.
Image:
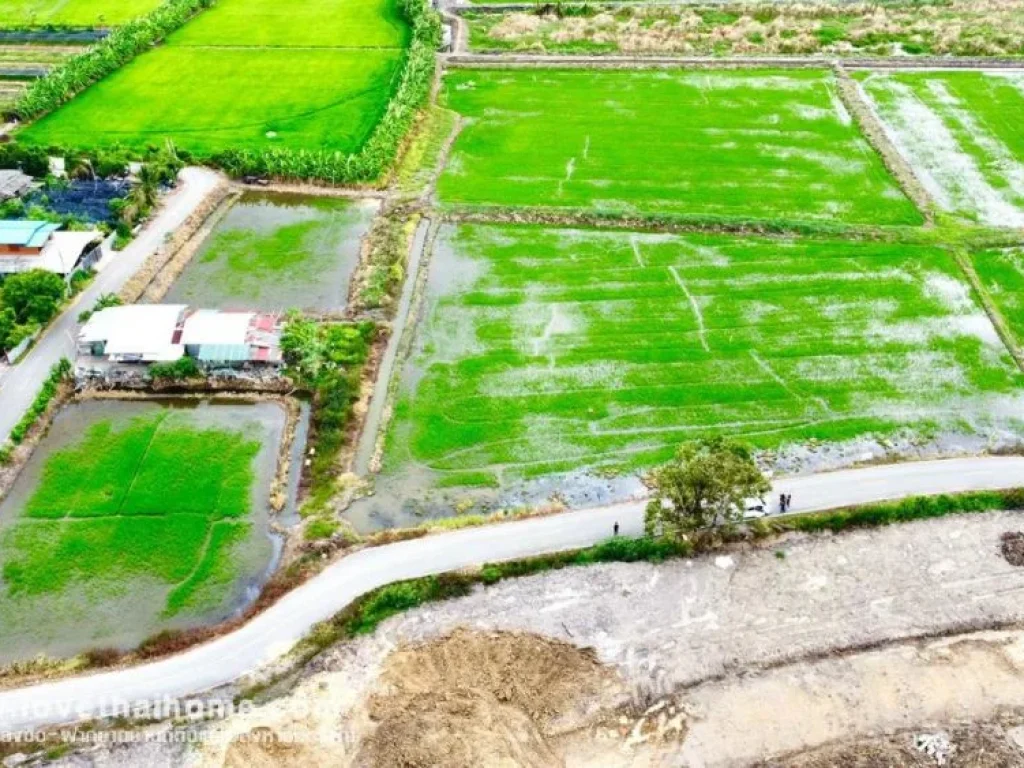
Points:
x=457 y=59
x=568 y=61
x=243 y=47
x=873 y=128
x=429 y=195
x=138 y=467
x=201 y=556
x=766 y=367
x=576 y=218
x=701 y=330
x=966 y=265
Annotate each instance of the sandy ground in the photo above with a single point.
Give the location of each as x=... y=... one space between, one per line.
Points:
x=810 y=652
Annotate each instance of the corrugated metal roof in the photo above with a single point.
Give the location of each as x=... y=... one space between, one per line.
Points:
x=29 y=234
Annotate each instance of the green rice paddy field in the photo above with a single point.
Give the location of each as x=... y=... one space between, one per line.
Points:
x=753 y=144
x=138 y=511
x=545 y=350
x=1002 y=274
x=247 y=74
x=72 y=13
x=963 y=132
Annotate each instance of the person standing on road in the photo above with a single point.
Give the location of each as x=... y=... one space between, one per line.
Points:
x=615 y=528
x=782 y=502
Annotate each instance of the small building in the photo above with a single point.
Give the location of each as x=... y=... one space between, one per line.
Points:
x=14 y=184
x=151 y=333
x=26 y=245
x=137 y=333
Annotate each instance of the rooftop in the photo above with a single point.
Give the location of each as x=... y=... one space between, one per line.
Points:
x=28 y=234
x=146 y=330
x=60 y=254
x=13 y=184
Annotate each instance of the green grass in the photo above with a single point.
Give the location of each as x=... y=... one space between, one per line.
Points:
x=1002 y=274
x=72 y=13
x=154 y=499
x=247 y=76
x=210 y=99
x=547 y=350
x=753 y=144
x=962 y=133
x=311 y=23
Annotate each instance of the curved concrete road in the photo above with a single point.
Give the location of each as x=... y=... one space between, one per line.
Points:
x=20 y=383
x=275 y=631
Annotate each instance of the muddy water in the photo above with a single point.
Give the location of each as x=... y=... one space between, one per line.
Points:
x=277 y=252
x=79 y=618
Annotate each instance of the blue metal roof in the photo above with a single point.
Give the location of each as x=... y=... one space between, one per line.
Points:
x=30 y=234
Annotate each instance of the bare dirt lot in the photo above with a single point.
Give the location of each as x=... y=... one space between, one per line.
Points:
x=885 y=647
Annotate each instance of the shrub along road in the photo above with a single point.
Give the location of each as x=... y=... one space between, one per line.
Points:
x=276 y=630
x=19 y=385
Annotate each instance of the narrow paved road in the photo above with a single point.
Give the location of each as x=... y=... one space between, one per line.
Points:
x=273 y=632
x=20 y=383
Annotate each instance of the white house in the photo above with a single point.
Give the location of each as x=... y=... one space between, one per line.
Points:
x=152 y=333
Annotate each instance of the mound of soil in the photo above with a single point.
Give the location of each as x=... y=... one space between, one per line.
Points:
x=263 y=748
x=1012 y=547
x=473 y=699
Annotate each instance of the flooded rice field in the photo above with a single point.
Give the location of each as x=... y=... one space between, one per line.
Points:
x=274 y=252
x=132 y=517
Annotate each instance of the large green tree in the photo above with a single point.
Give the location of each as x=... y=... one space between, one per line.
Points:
x=35 y=295
x=709 y=482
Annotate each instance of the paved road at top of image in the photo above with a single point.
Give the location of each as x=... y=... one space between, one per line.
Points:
x=273 y=632
x=21 y=382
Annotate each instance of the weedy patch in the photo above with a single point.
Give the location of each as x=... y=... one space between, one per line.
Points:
x=958 y=28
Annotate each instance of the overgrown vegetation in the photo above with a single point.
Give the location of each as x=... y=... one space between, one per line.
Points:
x=382 y=275
x=181 y=369
x=28 y=301
x=327 y=359
x=902 y=511
x=103 y=302
x=957 y=28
